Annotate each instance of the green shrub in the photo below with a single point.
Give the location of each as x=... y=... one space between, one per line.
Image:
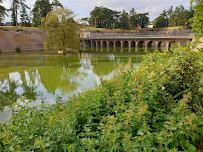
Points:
x=18 y=50
x=150 y=109
x=1 y=52
x=19 y=30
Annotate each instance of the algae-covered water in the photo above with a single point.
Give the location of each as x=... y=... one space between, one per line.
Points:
x=45 y=76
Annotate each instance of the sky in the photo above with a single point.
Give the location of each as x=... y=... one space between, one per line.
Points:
x=82 y=8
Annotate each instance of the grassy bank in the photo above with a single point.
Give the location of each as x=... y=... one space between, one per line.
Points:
x=155 y=108
x=92 y=29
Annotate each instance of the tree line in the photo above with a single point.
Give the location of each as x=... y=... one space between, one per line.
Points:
x=19 y=8
x=103 y=17
x=174 y=17
x=100 y=17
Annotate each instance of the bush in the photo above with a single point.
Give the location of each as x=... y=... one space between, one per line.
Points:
x=18 y=50
x=1 y=52
x=19 y=30
x=150 y=109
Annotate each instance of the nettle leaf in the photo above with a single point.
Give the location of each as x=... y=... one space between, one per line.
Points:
x=187 y=146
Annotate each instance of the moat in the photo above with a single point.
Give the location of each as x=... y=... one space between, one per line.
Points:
x=43 y=76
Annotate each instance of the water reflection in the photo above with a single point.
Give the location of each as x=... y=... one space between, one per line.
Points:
x=54 y=76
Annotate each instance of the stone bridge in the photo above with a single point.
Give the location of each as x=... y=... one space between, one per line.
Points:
x=154 y=39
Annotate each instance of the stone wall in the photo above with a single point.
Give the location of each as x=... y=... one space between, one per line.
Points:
x=25 y=39
x=174 y=32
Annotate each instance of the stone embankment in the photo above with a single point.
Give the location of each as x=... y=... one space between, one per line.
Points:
x=25 y=39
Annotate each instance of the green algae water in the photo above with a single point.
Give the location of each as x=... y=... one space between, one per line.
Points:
x=44 y=77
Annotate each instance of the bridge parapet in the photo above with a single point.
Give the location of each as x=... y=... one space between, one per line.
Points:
x=179 y=32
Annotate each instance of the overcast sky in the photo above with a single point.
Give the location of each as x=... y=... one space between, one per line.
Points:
x=82 y=8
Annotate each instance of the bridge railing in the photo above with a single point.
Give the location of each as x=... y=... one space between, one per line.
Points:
x=164 y=33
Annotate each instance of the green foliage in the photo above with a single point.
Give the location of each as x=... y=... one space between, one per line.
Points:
x=197 y=20
x=40 y=10
x=19 y=30
x=178 y=17
x=62 y=30
x=2 y=12
x=18 y=50
x=124 y=20
x=1 y=51
x=15 y=6
x=25 y=18
x=150 y=109
x=102 y=17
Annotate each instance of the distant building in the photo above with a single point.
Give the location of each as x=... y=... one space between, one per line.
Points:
x=8 y=24
x=150 y=26
x=85 y=34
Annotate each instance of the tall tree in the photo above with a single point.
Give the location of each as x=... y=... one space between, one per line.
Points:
x=40 y=10
x=124 y=20
x=2 y=12
x=133 y=18
x=197 y=25
x=62 y=30
x=25 y=18
x=162 y=20
x=143 y=20
x=56 y=3
x=16 y=6
x=95 y=16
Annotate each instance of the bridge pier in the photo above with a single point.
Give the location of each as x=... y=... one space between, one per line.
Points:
x=96 y=45
x=145 y=46
x=114 y=46
x=91 y=45
x=136 y=45
x=167 y=45
x=101 y=43
x=121 y=46
x=107 y=45
x=156 y=46
x=129 y=46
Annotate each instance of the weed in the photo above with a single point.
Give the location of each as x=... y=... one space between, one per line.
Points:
x=18 y=50
x=19 y=30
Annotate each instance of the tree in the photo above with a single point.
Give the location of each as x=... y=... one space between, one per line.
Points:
x=61 y=30
x=16 y=5
x=197 y=20
x=124 y=21
x=143 y=20
x=133 y=18
x=95 y=16
x=55 y=4
x=24 y=17
x=2 y=12
x=162 y=20
x=40 y=10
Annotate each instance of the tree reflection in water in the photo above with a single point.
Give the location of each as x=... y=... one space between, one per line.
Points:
x=56 y=75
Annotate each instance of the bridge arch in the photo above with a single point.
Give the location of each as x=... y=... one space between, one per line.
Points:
x=171 y=43
x=93 y=44
x=99 y=44
x=104 y=44
x=140 y=43
x=118 y=44
x=151 y=44
x=125 y=44
x=133 y=44
x=110 y=44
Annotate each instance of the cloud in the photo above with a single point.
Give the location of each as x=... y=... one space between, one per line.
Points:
x=82 y=8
